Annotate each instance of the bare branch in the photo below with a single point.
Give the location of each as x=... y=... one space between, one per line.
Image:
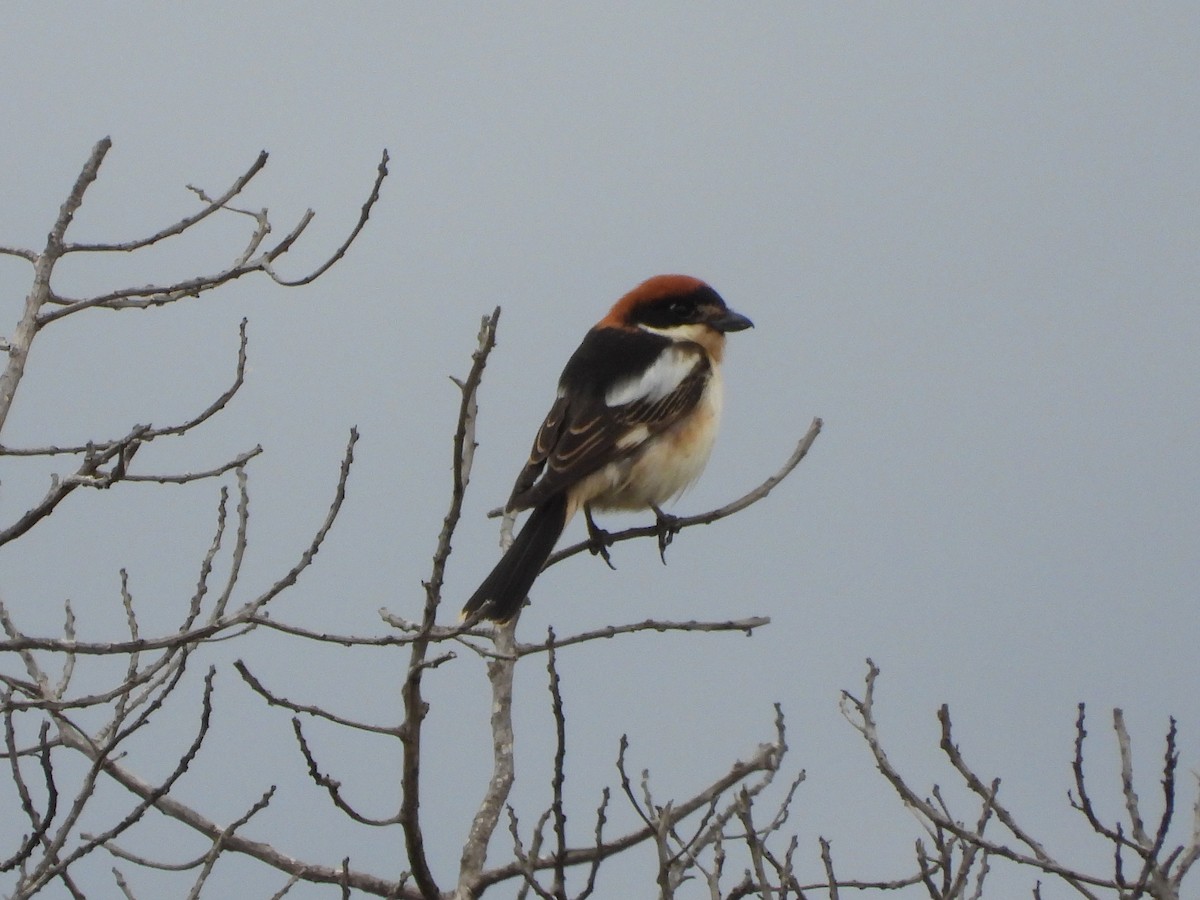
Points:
x=766 y=760
x=237 y=557
x=150 y=295
x=188 y=635
x=40 y=822
x=22 y=339
x=986 y=793
x=1170 y=763
x=382 y=173
x=263 y=852
x=745 y=626
x=754 y=846
x=1084 y=803
x=89 y=472
x=594 y=868
x=217 y=405
x=122 y=884
x=681 y=522
x=160 y=295
x=253 y=608
x=462 y=458
x=315 y=711
x=827 y=861
x=414 y=703
x=1131 y=797
x=49 y=872
x=344 y=640
x=237 y=462
x=149 y=433
x=144 y=687
x=332 y=785
x=558 y=779
x=527 y=870
x=20 y=253
x=859 y=884
x=1192 y=853
x=1154 y=873
x=120 y=452
x=483 y=826
x=864 y=723
x=183 y=224
x=204 y=861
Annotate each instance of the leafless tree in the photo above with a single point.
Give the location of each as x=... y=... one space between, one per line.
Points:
x=73 y=706
x=960 y=852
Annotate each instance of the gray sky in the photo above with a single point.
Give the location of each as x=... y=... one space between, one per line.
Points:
x=968 y=238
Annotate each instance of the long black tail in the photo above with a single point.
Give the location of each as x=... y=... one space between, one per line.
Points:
x=503 y=591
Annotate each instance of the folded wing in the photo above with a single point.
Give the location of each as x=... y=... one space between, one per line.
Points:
x=604 y=413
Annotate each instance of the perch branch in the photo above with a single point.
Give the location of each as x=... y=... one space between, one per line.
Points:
x=706 y=518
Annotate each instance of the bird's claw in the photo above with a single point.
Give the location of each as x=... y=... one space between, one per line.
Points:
x=668 y=527
x=599 y=540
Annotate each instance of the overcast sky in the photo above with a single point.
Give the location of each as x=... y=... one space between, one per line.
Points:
x=968 y=235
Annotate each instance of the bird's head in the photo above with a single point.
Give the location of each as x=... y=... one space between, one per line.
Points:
x=679 y=307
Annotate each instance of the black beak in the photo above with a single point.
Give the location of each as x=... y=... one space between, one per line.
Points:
x=730 y=321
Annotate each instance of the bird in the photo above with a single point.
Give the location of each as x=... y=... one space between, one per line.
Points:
x=631 y=427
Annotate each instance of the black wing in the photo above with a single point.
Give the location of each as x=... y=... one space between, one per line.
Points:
x=619 y=389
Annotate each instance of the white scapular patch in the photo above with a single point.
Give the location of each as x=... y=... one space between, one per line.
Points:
x=657 y=380
x=633 y=437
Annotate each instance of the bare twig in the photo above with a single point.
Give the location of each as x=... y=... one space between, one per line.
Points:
x=88 y=473
x=381 y=174
x=187 y=636
x=462 y=458
x=860 y=714
x=48 y=872
x=214 y=853
x=148 y=433
x=414 y=704
x=827 y=861
x=332 y=785
x=261 y=851
x=22 y=338
x=754 y=846
x=40 y=822
x=471 y=880
x=1188 y=857
x=707 y=518
x=986 y=792
x=122 y=884
x=237 y=462
x=144 y=686
x=1084 y=802
x=558 y=779
x=344 y=640
x=246 y=264
x=315 y=711
x=746 y=626
x=19 y=253
x=765 y=760
x=1131 y=798
x=183 y=224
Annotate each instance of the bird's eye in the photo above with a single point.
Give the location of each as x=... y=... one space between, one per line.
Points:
x=681 y=308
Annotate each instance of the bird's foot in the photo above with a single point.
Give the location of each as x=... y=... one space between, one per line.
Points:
x=599 y=540
x=668 y=527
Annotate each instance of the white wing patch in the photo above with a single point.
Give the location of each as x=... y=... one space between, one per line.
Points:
x=633 y=437
x=657 y=380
